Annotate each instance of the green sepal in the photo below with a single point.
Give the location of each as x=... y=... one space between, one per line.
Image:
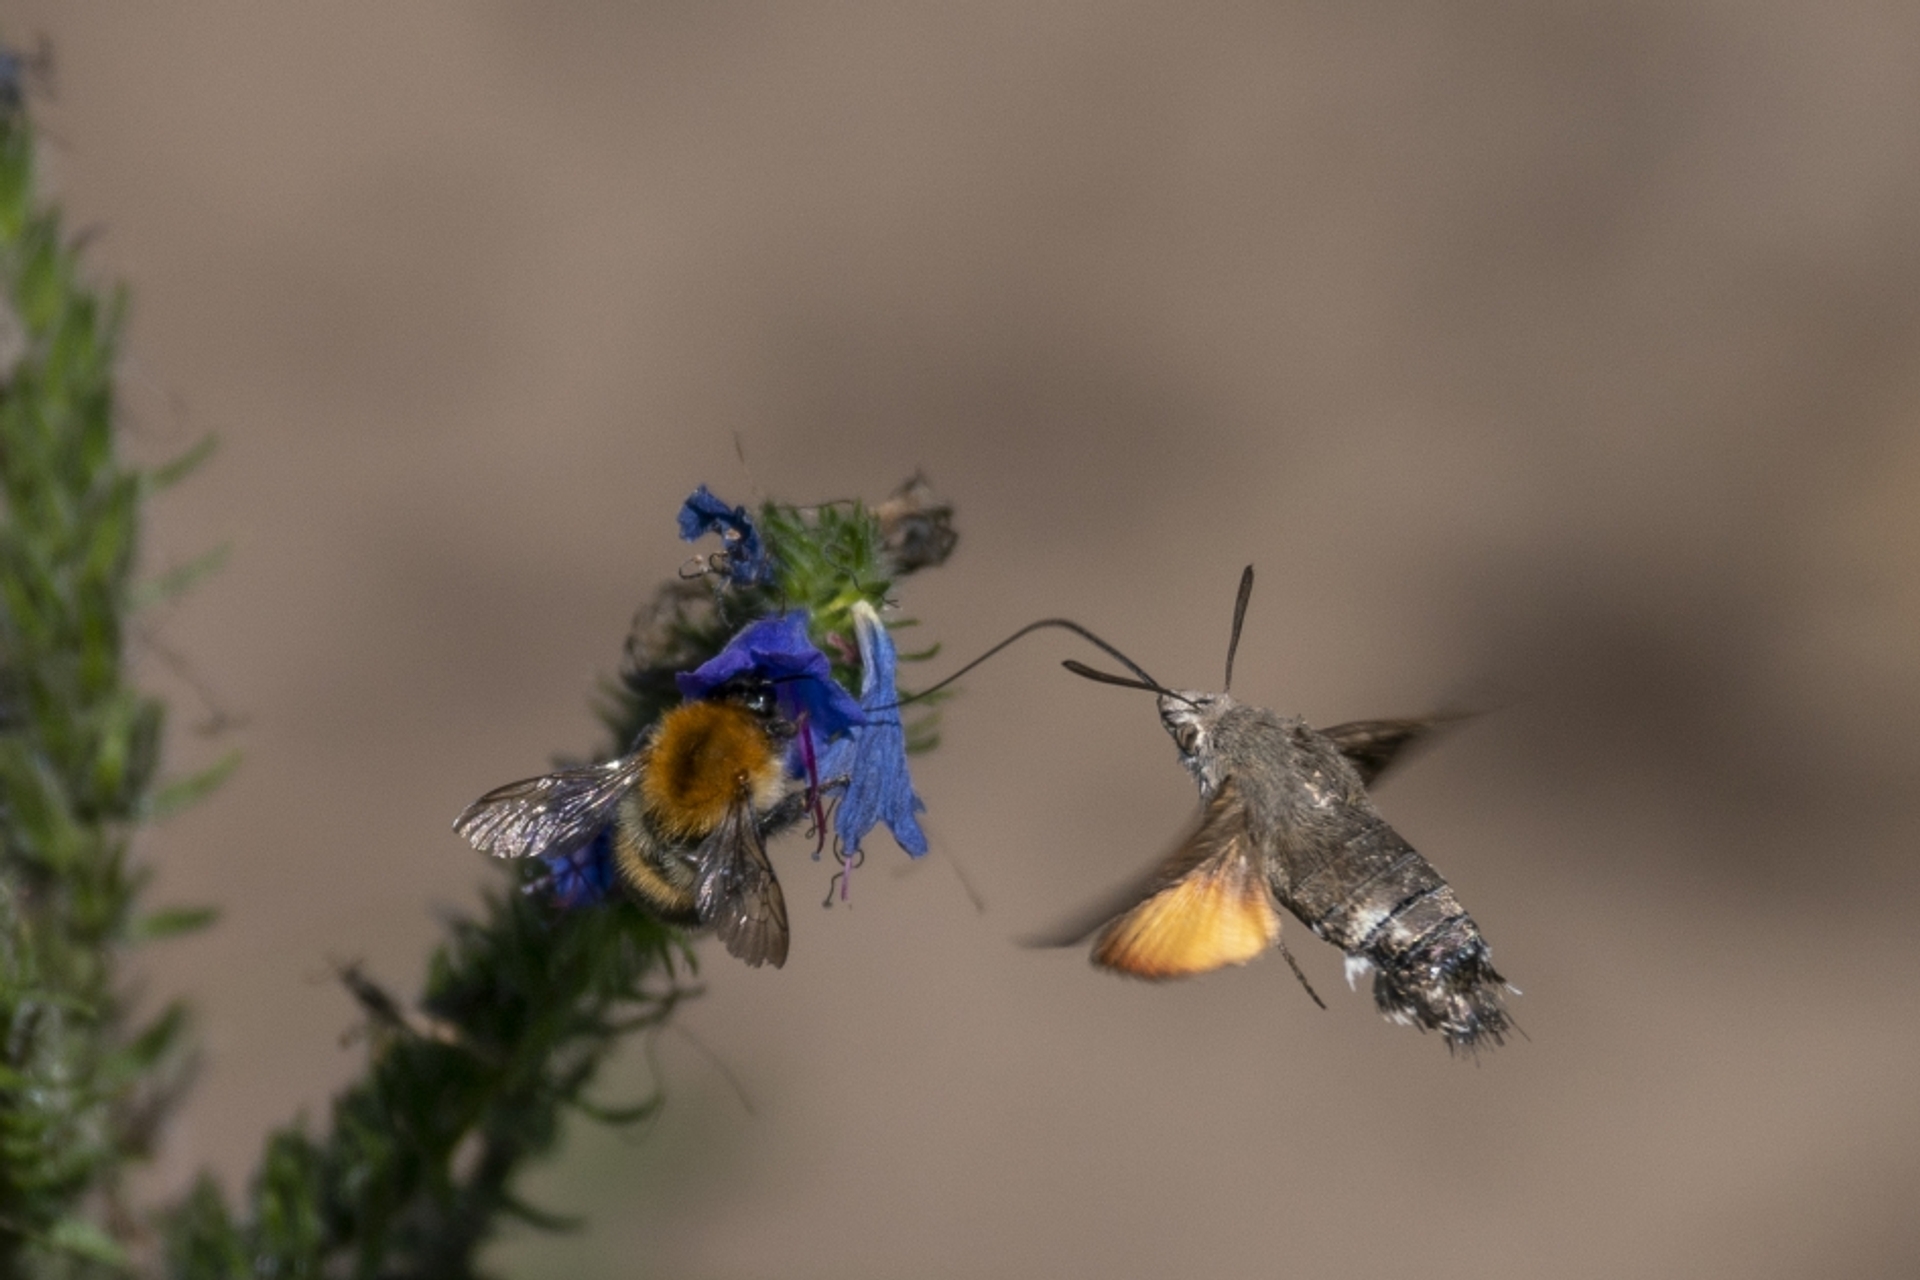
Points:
x=81 y=1239
x=557 y=1223
x=186 y=792
x=172 y=472
x=181 y=579
x=172 y=922
x=621 y=1116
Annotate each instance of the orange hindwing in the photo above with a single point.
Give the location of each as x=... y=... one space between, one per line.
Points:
x=1209 y=906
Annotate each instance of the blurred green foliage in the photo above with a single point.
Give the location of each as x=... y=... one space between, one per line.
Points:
x=522 y=1003
x=84 y=1082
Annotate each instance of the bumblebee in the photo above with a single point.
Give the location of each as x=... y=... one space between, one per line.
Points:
x=690 y=810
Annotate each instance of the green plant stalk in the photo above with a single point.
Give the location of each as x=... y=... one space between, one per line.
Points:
x=522 y=1004
x=83 y=1084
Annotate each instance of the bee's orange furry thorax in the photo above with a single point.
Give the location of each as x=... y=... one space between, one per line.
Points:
x=704 y=756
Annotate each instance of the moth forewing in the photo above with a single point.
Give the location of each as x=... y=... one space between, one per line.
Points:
x=555 y=813
x=1374 y=746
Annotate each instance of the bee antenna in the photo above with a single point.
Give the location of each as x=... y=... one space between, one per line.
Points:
x=1107 y=677
x=1239 y=616
x=1066 y=624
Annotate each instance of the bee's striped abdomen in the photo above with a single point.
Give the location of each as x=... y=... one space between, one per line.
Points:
x=655 y=870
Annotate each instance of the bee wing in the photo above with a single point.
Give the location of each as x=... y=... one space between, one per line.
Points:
x=555 y=813
x=1208 y=906
x=736 y=892
x=1372 y=746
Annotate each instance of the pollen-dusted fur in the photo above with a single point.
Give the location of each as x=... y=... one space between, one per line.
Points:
x=703 y=756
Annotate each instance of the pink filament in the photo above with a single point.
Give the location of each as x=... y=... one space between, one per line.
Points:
x=812 y=767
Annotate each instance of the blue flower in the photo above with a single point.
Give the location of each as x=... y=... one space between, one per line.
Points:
x=12 y=81
x=745 y=556
x=777 y=649
x=582 y=877
x=872 y=758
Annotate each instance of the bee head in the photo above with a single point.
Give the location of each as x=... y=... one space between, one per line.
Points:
x=758 y=695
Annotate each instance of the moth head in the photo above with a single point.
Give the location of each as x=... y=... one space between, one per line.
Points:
x=1191 y=717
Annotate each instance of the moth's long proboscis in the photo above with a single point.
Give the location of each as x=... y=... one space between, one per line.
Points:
x=1066 y=624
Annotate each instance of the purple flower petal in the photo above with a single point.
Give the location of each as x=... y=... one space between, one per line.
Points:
x=777 y=649
x=746 y=557
x=584 y=876
x=873 y=756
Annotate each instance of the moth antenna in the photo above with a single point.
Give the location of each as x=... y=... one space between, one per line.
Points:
x=1066 y=624
x=1239 y=616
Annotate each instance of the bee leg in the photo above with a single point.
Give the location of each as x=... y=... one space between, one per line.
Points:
x=1295 y=966
x=788 y=810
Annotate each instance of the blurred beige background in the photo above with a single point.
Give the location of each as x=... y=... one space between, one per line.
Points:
x=1570 y=352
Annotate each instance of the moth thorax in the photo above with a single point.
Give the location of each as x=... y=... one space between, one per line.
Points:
x=705 y=757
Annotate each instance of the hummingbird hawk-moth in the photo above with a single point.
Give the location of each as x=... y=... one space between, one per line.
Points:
x=1287 y=822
